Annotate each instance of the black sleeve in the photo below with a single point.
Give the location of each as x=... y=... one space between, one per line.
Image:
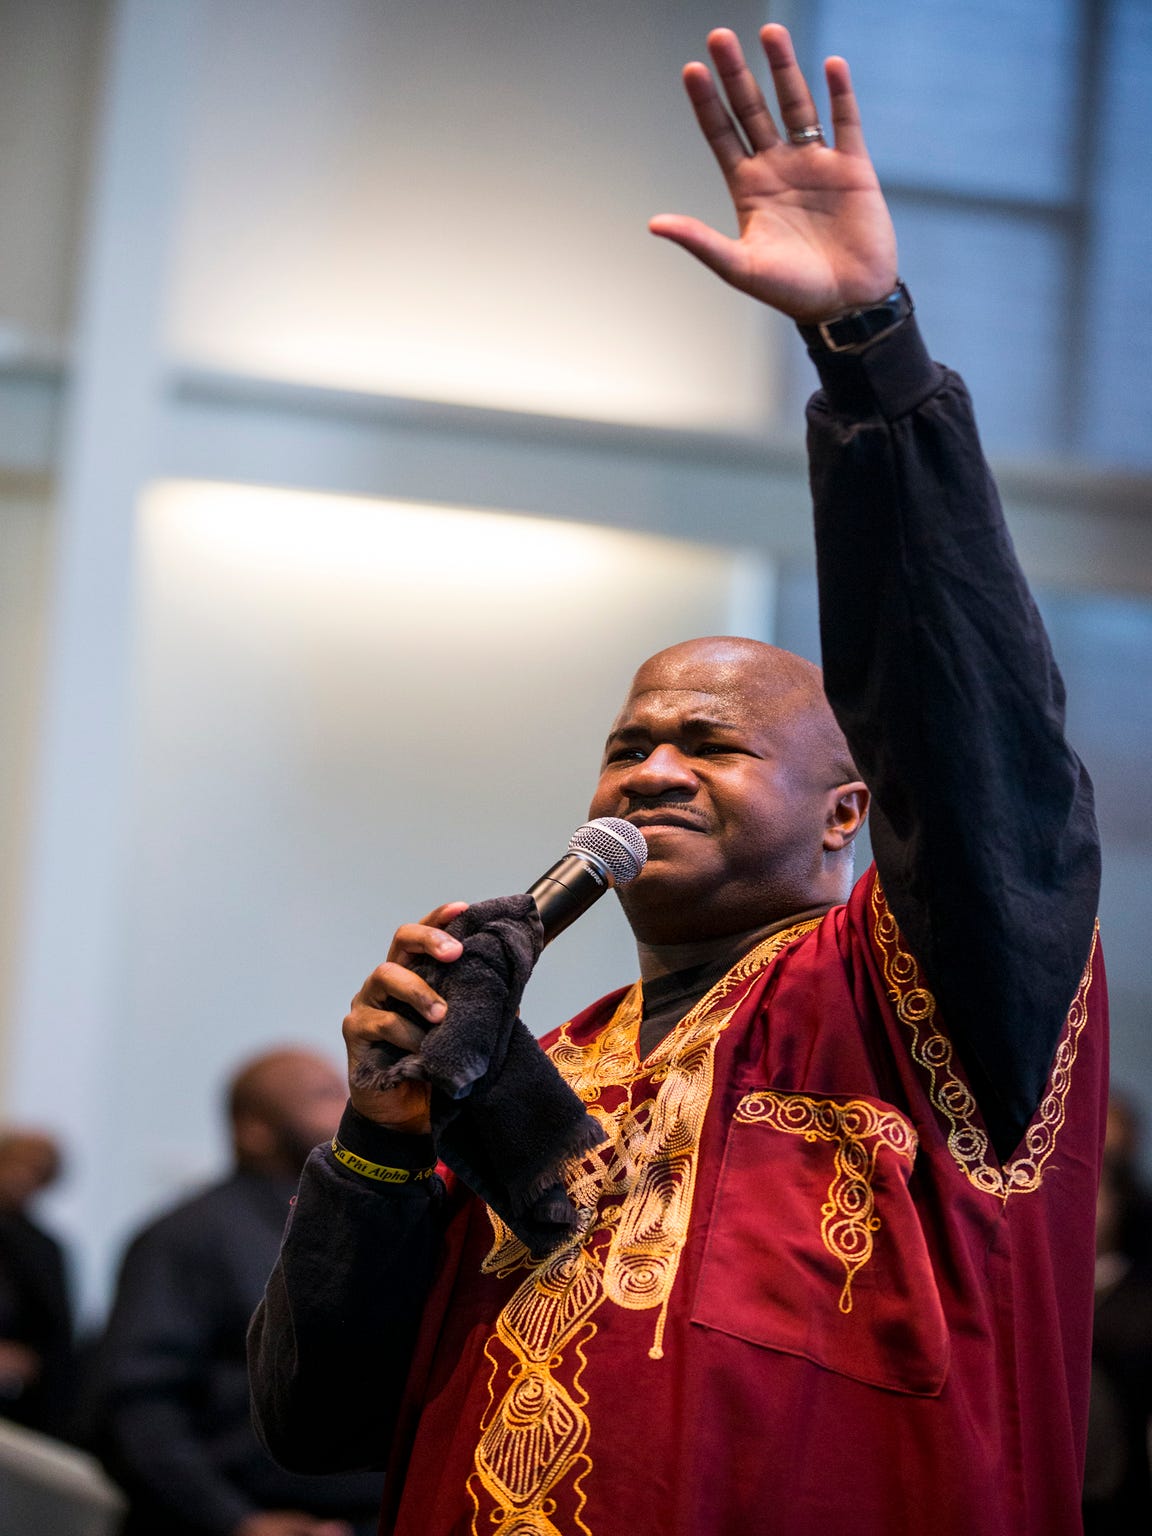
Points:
x=940 y=673
x=330 y=1344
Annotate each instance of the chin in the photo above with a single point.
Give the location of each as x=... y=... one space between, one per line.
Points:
x=674 y=911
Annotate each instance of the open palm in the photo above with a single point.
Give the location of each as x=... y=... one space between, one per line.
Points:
x=815 y=234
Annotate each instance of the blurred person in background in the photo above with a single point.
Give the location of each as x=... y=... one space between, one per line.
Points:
x=36 y=1357
x=1117 y=1483
x=1123 y=1149
x=171 y=1391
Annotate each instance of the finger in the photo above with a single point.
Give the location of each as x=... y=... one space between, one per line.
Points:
x=426 y=938
x=743 y=92
x=715 y=250
x=712 y=115
x=846 y=127
x=442 y=915
x=797 y=109
x=367 y=1025
x=391 y=983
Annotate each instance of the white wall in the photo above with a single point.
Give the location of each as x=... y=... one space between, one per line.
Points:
x=347 y=712
x=450 y=199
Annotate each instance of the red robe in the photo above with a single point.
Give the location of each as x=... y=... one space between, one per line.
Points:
x=808 y=1298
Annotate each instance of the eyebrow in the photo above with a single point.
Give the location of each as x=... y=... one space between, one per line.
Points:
x=691 y=725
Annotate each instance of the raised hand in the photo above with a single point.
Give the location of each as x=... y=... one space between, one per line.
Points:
x=815 y=234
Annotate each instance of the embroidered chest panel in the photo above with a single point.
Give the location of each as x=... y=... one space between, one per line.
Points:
x=634 y=1193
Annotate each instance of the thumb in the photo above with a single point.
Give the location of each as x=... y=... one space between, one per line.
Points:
x=715 y=250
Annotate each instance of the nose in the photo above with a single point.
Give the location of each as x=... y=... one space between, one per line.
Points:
x=665 y=771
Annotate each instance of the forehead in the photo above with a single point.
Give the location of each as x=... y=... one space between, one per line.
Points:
x=664 y=710
x=724 y=689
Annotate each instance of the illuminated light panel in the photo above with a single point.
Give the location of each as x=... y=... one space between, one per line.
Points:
x=364 y=541
x=372 y=566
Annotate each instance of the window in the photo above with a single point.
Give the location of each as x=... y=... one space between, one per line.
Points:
x=1011 y=139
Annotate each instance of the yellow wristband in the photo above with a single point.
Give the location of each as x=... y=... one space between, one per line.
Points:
x=378 y=1171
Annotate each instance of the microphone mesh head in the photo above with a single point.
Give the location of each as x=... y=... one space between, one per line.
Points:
x=618 y=845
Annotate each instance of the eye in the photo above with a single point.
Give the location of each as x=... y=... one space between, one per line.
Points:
x=626 y=755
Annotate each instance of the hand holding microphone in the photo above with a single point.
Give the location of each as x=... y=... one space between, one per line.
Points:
x=374 y=1018
x=396 y=1005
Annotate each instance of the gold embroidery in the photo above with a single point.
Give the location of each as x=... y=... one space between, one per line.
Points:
x=610 y=1059
x=859 y=1130
x=644 y=1254
x=635 y=1194
x=932 y=1051
x=535 y=1437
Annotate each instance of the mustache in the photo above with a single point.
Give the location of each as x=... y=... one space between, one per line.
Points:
x=667 y=813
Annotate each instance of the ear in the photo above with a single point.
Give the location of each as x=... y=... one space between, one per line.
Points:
x=847 y=813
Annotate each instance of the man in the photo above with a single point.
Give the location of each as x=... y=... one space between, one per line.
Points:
x=835 y=1264
x=36 y=1352
x=172 y=1392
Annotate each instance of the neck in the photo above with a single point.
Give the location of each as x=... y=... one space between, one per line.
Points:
x=663 y=959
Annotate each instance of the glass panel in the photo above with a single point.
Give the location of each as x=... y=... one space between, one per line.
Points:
x=1102 y=643
x=1117 y=400
x=1104 y=647
x=973 y=95
x=990 y=292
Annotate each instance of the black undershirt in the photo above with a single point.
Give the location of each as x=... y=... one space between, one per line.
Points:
x=668 y=998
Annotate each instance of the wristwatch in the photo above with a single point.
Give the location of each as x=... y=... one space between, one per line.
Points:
x=857 y=327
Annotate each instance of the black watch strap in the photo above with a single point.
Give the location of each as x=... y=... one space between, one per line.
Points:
x=857 y=327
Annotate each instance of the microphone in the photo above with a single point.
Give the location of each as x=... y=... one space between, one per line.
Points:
x=602 y=853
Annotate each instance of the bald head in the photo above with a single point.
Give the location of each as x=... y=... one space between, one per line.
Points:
x=281 y=1105
x=728 y=758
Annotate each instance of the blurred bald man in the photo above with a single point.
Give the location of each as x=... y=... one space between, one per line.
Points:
x=175 y=1428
